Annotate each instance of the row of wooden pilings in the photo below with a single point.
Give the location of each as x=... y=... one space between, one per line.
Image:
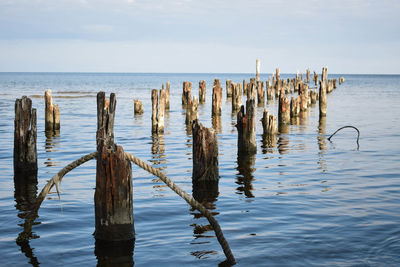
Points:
x=113 y=194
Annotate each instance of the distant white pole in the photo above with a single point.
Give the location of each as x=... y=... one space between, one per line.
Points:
x=257 y=70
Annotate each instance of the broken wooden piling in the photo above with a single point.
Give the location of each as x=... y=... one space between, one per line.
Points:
x=52 y=113
x=284 y=110
x=186 y=93
x=260 y=92
x=246 y=128
x=138 y=107
x=323 y=92
x=205 y=153
x=269 y=123
x=25 y=132
x=216 y=99
x=113 y=195
x=192 y=111
x=307 y=76
x=228 y=88
x=167 y=95
x=202 y=92
x=294 y=107
x=236 y=96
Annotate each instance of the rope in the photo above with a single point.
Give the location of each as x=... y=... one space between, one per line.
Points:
x=191 y=201
x=348 y=126
x=54 y=181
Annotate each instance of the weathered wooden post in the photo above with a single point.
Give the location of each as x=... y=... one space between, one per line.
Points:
x=341 y=80
x=217 y=99
x=113 y=195
x=154 y=109
x=315 y=78
x=202 y=92
x=284 y=110
x=138 y=107
x=323 y=92
x=313 y=96
x=251 y=89
x=246 y=128
x=52 y=113
x=25 y=153
x=228 y=88
x=334 y=83
x=278 y=74
x=260 y=92
x=308 y=75
x=161 y=110
x=294 y=107
x=258 y=64
x=186 y=93
x=303 y=93
x=269 y=123
x=244 y=87
x=205 y=153
x=192 y=111
x=168 y=87
x=236 y=96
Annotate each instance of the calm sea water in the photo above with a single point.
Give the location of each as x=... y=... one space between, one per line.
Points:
x=305 y=201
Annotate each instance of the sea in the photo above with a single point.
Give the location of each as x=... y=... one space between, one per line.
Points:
x=300 y=200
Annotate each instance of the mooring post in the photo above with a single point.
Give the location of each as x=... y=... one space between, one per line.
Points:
x=138 y=107
x=205 y=153
x=228 y=88
x=258 y=65
x=202 y=92
x=25 y=153
x=246 y=128
x=217 y=99
x=113 y=195
x=52 y=113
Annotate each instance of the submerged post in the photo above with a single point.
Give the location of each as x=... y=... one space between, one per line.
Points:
x=25 y=153
x=113 y=195
x=138 y=107
x=205 y=153
x=52 y=113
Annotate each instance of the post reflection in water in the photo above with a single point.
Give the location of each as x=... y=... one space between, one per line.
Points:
x=51 y=145
x=245 y=166
x=158 y=159
x=283 y=140
x=268 y=143
x=205 y=192
x=322 y=143
x=114 y=253
x=25 y=190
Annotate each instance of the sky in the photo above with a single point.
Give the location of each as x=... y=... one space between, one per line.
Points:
x=217 y=36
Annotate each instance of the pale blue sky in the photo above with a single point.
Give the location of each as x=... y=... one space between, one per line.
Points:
x=351 y=36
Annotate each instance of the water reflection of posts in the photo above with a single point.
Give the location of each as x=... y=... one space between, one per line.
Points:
x=245 y=166
x=322 y=142
x=283 y=144
x=52 y=142
x=114 y=253
x=158 y=149
x=25 y=186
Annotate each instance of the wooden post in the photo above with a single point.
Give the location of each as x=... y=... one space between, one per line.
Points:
x=315 y=78
x=154 y=108
x=236 y=96
x=228 y=88
x=138 y=107
x=322 y=99
x=260 y=92
x=294 y=107
x=205 y=153
x=161 y=111
x=251 y=89
x=168 y=87
x=278 y=74
x=217 y=99
x=244 y=87
x=303 y=93
x=187 y=93
x=269 y=123
x=52 y=113
x=313 y=96
x=308 y=75
x=25 y=153
x=246 y=128
x=334 y=83
x=192 y=113
x=341 y=80
x=284 y=110
x=113 y=195
x=258 y=70
x=202 y=92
